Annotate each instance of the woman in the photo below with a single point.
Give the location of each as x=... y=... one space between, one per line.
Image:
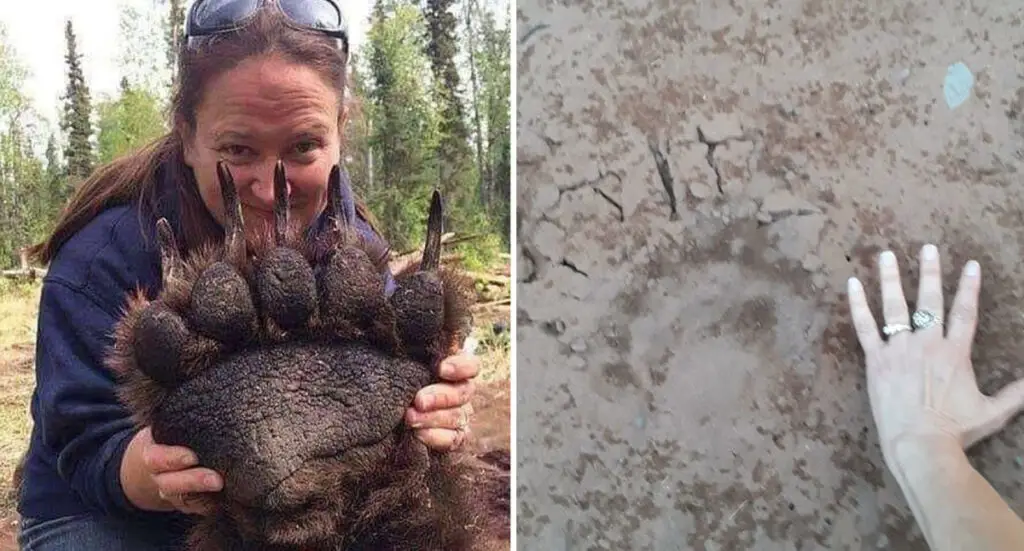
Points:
x=928 y=408
x=258 y=82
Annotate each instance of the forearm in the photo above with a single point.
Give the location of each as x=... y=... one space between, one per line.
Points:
x=91 y=464
x=956 y=508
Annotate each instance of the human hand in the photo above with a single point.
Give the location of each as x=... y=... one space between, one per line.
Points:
x=921 y=384
x=440 y=412
x=165 y=478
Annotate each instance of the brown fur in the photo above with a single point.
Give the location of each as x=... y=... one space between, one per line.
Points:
x=393 y=494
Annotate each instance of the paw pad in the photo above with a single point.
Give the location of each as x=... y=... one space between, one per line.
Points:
x=284 y=365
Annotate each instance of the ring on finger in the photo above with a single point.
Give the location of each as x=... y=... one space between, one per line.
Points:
x=923 y=319
x=895 y=328
x=463 y=422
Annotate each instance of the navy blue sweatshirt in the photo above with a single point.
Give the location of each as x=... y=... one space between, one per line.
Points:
x=80 y=429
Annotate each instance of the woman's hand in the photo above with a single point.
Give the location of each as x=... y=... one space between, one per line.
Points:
x=440 y=412
x=165 y=478
x=921 y=384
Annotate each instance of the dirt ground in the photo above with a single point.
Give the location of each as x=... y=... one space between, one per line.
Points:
x=696 y=182
x=18 y=308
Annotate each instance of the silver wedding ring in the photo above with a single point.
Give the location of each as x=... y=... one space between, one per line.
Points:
x=894 y=328
x=923 y=319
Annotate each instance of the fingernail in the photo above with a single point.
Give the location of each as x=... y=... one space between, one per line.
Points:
x=427 y=402
x=930 y=252
x=447 y=369
x=972 y=269
x=212 y=482
x=888 y=258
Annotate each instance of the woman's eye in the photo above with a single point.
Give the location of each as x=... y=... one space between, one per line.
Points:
x=235 y=150
x=306 y=147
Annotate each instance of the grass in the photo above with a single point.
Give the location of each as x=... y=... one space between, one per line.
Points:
x=18 y=307
x=494 y=347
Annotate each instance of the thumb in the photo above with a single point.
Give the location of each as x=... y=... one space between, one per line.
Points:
x=1004 y=405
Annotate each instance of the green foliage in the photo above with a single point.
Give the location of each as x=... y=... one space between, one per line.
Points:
x=18 y=289
x=77 y=122
x=23 y=205
x=412 y=134
x=413 y=125
x=402 y=124
x=128 y=122
x=481 y=253
x=457 y=174
x=174 y=30
x=492 y=341
x=141 y=50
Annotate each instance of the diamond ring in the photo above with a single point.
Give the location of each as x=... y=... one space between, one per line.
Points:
x=463 y=422
x=894 y=328
x=923 y=319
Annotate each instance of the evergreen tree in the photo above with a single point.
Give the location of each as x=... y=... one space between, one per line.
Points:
x=76 y=122
x=174 y=32
x=55 y=187
x=441 y=49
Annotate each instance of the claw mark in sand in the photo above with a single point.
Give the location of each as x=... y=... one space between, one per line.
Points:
x=532 y=31
x=666 y=175
x=613 y=202
x=711 y=157
x=571 y=266
x=601 y=175
x=531 y=275
x=712 y=145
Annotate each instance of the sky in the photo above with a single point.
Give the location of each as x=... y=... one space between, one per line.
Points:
x=36 y=32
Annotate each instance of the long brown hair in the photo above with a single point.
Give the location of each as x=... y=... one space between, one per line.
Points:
x=134 y=177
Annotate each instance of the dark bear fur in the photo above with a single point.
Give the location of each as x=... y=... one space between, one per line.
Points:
x=284 y=366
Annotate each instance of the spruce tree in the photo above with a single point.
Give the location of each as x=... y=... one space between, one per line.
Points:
x=441 y=49
x=175 y=31
x=76 y=122
x=56 y=188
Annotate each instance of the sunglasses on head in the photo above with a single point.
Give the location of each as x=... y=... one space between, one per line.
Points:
x=212 y=17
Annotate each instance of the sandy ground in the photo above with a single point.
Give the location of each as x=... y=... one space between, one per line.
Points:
x=696 y=182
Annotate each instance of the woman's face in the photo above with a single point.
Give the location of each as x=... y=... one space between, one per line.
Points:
x=263 y=110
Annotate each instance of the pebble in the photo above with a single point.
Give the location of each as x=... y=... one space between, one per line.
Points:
x=578 y=346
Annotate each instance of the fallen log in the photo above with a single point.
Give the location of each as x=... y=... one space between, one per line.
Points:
x=24 y=271
x=445 y=240
x=493 y=279
x=30 y=274
x=493 y=304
